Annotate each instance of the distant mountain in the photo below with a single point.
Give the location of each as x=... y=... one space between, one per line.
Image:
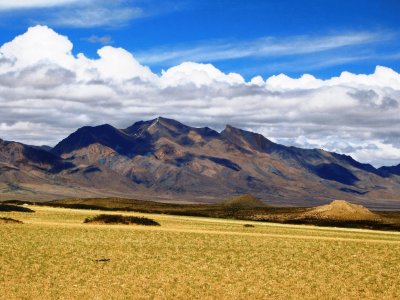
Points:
x=165 y=159
x=43 y=147
x=105 y=135
x=28 y=172
x=31 y=158
x=388 y=171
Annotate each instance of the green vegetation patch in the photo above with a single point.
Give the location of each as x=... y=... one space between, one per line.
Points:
x=119 y=219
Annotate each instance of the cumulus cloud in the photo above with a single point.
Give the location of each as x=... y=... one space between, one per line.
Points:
x=189 y=73
x=39 y=44
x=46 y=92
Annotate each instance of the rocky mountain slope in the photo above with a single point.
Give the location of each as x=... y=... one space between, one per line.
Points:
x=31 y=173
x=165 y=159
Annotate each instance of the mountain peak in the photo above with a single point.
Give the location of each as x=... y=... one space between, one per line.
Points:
x=105 y=135
x=170 y=128
x=392 y=170
x=246 y=139
x=159 y=126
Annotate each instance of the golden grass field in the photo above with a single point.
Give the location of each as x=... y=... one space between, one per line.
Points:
x=53 y=255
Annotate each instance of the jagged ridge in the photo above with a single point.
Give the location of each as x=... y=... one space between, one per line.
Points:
x=165 y=158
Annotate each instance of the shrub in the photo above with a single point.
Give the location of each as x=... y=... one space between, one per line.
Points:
x=10 y=221
x=119 y=219
x=248 y=225
x=8 y=208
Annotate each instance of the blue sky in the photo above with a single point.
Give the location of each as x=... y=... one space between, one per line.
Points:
x=213 y=53
x=251 y=37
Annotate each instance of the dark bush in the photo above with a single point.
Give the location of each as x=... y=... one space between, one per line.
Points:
x=119 y=219
x=8 y=207
x=9 y=221
x=248 y=225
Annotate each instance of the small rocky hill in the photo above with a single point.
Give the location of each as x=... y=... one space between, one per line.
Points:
x=341 y=210
x=246 y=201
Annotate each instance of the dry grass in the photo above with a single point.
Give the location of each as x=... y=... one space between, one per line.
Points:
x=54 y=256
x=244 y=207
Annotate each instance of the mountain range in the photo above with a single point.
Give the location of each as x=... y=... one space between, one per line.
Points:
x=163 y=159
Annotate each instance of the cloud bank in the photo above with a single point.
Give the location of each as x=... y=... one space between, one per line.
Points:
x=46 y=92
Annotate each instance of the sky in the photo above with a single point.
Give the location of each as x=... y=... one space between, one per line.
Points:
x=314 y=74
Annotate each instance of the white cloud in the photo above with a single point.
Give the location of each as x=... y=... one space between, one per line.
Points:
x=366 y=154
x=383 y=77
x=118 y=64
x=261 y=47
x=95 y=16
x=198 y=75
x=22 y=4
x=283 y=82
x=47 y=92
x=84 y=13
x=38 y=44
x=104 y=40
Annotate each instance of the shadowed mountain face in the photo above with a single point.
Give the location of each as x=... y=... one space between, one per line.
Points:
x=247 y=140
x=165 y=159
x=28 y=172
x=27 y=157
x=388 y=171
x=105 y=135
